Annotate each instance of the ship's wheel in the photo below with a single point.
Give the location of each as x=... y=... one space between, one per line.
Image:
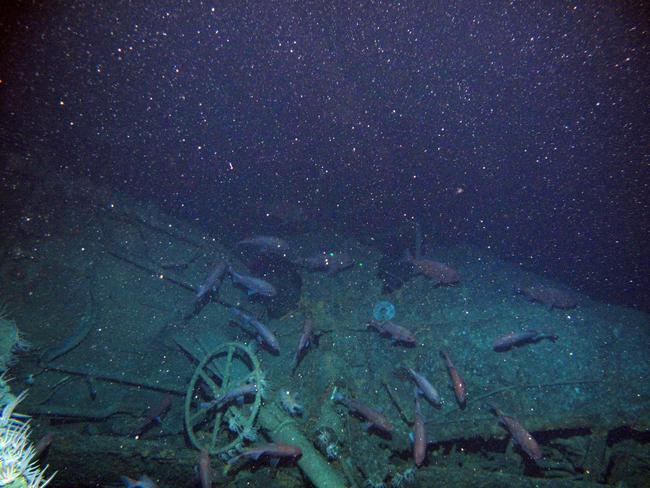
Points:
x=221 y=428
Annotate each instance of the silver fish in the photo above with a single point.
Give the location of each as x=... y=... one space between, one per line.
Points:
x=253 y=285
x=237 y=393
x=266 y=244
x=263 y=333
x=426 y=388
x=213 y=281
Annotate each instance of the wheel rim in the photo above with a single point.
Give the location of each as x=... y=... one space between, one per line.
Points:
x=226 y=367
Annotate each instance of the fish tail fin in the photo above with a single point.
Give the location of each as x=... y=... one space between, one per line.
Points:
x=444 y=356
x=548 y=334
x=294 y=365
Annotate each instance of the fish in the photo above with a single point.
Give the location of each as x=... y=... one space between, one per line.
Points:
x=213 y=282
x=44 y=444
x=86 y=324
x=330 y=262
x=519 y=434
x=425 y=388
x=396 y=332
x=456 y=380
x=255 y=286
x=437 y=271
x=205 y=472
x=263 y=333
x=373 y=417
x=143 y=482
x=549 y=296
x=305 y=341
x=154 y=414
x=274 y=449
x=514 y=339
x=266 y=244
x=419 y=434
x=234 y=394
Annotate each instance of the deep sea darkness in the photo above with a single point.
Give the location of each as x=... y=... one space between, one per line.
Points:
x=518 y=127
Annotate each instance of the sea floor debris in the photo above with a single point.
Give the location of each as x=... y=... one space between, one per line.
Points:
x=549 y=387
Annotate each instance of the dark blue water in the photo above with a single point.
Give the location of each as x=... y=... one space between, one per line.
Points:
x=518 y=129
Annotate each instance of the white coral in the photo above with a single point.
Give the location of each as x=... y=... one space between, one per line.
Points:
x=290 y=404
x=262 y=385
x=323 y=437
x=16 y=453
x=250 y=433
x=234 y=424
x=332 y=451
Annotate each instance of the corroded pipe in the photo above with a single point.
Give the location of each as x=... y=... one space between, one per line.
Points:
x=283 y=428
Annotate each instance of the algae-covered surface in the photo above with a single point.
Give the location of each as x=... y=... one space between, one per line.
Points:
x=132 y=272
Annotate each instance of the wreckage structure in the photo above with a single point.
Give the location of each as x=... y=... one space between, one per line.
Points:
x=127 y=366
